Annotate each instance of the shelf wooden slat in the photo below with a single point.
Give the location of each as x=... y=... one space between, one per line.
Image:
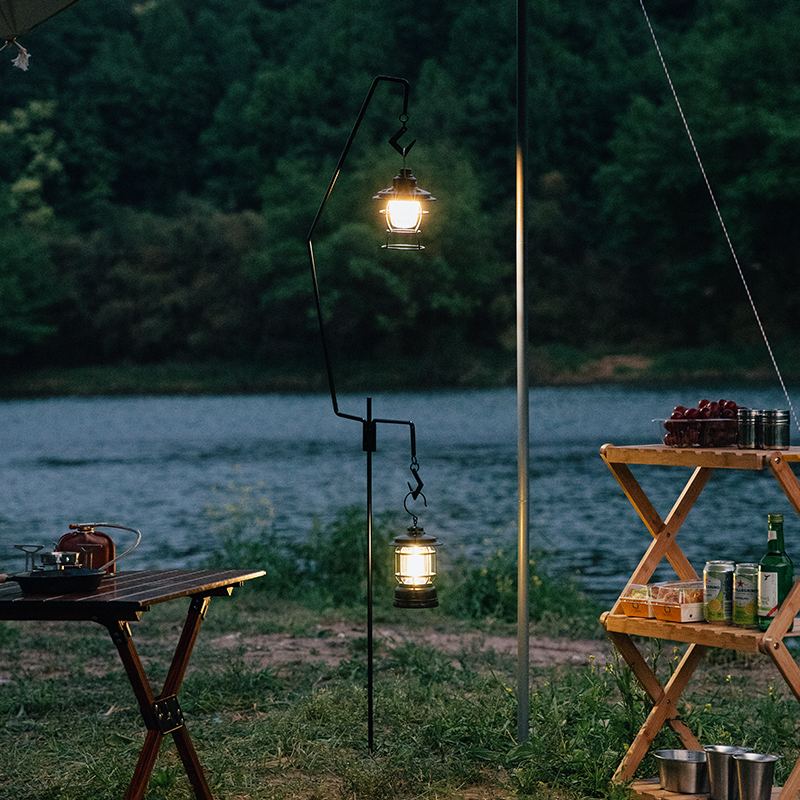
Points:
x=650 y=789
x=725 y=636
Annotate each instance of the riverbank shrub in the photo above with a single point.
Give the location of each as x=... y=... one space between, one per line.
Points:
x=489 y=590
x=327 y=566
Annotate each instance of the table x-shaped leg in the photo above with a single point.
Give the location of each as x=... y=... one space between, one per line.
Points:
x=664 y=698
x=162 y=714
x=663 y=531
x=664 y=702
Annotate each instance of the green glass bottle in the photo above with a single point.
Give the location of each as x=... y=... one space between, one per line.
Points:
x=775 y=573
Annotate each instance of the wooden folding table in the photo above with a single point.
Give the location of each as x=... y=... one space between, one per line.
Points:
x=699 y=635
x=122 y=598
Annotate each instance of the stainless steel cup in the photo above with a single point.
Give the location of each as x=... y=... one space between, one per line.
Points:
x=683 y=771
x=722 y=770
x=755 y=772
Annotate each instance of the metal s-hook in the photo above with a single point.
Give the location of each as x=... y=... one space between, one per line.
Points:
x=414 y=496
x=415 y=492
x=393 y=141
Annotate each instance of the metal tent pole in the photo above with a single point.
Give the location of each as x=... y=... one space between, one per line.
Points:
x=523 y=427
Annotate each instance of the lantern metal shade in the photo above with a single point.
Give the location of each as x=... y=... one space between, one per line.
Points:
x=415 y=569
x=404 y=209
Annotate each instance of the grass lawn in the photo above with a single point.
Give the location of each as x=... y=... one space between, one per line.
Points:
x=275 y=701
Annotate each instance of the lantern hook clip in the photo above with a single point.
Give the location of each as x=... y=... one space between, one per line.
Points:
x=415 y=492
x=394 y=143
x=415 y=496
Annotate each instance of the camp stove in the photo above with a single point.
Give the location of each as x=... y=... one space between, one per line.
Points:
x=66 y=569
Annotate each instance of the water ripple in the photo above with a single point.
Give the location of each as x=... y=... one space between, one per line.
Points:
x=159 y=464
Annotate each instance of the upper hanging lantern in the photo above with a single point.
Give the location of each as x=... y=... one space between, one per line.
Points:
x=404 y=209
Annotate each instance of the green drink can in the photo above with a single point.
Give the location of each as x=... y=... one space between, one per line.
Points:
x=718 y=592
x=745 y=595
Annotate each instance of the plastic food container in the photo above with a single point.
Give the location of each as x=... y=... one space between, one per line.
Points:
x=635 y=601
x=678 y=601
x=699 y=432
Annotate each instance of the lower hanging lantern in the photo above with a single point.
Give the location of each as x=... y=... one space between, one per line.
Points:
x=415 y=569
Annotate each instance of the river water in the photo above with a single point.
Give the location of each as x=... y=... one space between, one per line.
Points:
x=163 y=464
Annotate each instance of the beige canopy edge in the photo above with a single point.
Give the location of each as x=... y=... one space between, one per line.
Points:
x=19 y=16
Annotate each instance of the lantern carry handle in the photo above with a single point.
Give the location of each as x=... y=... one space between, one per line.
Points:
x=414 y=495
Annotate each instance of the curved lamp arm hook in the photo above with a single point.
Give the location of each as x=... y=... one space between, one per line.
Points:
x=340 y=164
x=368 y=423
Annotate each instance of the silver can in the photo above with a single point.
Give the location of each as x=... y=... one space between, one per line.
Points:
x=718 y=592
x=775 y=429
x=745 y=595
x=747 y=418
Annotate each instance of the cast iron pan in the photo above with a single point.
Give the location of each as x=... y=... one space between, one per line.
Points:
x=58 y=581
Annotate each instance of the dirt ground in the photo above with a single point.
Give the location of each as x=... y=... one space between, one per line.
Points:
x=330 y=644
x=334 y=643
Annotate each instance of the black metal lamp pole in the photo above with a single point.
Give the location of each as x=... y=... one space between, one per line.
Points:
x=369 y=424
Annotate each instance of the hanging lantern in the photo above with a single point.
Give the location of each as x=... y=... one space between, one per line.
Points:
x=415 y=569
x=403 y=210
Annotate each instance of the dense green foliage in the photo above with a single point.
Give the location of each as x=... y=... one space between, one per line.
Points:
x=163 y=162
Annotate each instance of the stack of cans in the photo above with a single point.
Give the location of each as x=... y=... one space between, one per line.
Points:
x=730 y=593
x=763 y=429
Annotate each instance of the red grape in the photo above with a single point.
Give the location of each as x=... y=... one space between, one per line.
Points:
x=710 y=424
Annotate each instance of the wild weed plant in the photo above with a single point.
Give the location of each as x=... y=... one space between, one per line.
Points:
x=326 y=566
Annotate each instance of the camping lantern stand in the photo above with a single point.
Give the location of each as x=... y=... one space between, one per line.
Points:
x=404 y=228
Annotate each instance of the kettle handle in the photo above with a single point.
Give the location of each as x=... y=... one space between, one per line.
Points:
x=74 y=526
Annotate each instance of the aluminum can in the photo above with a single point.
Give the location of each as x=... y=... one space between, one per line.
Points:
x=718 y=592
x=774 y=429
x=745 y=595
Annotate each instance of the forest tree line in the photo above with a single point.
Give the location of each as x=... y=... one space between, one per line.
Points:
x=162 y=162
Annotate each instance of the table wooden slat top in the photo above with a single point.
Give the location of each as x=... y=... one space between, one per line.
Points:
x=120 y=596
x=715 y=457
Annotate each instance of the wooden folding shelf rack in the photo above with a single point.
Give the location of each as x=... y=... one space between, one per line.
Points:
x=700 y=635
